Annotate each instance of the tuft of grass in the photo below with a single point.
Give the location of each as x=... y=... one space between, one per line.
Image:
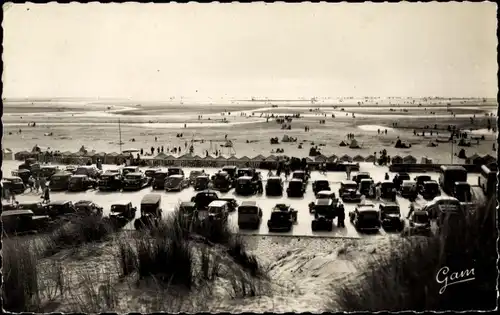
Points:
x=236 y=249
x=405 y=279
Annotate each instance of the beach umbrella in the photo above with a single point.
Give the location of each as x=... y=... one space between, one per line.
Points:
x=370 y=158
x=358 y=158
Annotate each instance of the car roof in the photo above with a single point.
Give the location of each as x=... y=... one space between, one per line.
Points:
x=229 y=167
x=408 y=181
x=365 y=208
x=151 y=198
x=161 y=172
x=217 y=203
x=420 y=212
x=363 y=173
x=246 y=177
x=15 y=212
x=443 y=198
x=176 y=176
x=207 y=191
x=366 y=180
x=348 y=182
x=387 y=181
x=323 y=202
x=187 y=204
x=274 y=178
x=452 y=168
x=322 y=181
x=389 y=204
x=130 y=167
x=175 y=168
x=59 y=202
x=462 y=183
x=50 y=166
x=135 y=174
x=12 y=178
x=324 y=192
x=79 y=176
x=201 y=176
x=248 y=203
x=83 y=201
x=120 y=203
x=85 y=166
x=109 y=173
x=296 y=180
x=23 y=170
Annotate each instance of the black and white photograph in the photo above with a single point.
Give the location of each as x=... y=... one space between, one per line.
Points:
x=249 y=157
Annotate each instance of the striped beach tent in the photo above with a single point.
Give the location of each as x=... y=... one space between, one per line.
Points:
x=370 y=158
x=397 y=159
x=332 y=158
x=259 y=157
x=346 y=158
x=320 y=158
x=358 y=158
x=271 y=158
x=409 y=159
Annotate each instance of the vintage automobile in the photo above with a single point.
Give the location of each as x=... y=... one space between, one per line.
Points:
x=430 y=190
x=204 y=198
x=193 y=175
x=365 y=217
x=135 y=181
x=70 y=168
x=60 y=181
x=175 y=171
x=222 y=182
x=23 y=174
x=360 y=176
x=188 y=212
x=325 y=211
x=325 y=194
x=150 y=174
x=176 y=183
x=87 y=207
x=399 y=178
x=441 y=207
x=409 y=189
x=159 y=180
x=296 y=188
x=89 y=170
x=201 y=183
x=245 y=186
x=320 y=185
x=386 y=190
x=122 y=212
x=47 y=171
x=14 y=184
x=218 y=210
x=367 y=187
x=419 y=224
x=30 y=165
x=301 y=175
x=462 y=191
x=15 y=222
x=283 y=217
x=348 y=191
x=38 y=208
x=390 y=216
x=81 y=183
x=249 y=215
x=247 y=172
x=420 y=179
x=151 y=212
x=130 y=169
x=231 y=170
x=59 y=208
x=110 y=181
x=274 y=186
x=232 y=204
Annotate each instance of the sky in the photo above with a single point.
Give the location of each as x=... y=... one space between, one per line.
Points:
x=159 y=51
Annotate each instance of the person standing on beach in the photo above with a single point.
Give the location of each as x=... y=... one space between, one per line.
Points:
x=46 y=195
x=348 y=172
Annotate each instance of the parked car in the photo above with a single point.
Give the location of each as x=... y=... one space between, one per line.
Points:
x=14 y=184
x=135 y=181
x=386 y=190
x=150 y=174
x=274 y=186
x=245 y=186
x=89 y=170
x=361 y=175
x=204 y=198
x=399 y=178
x=38 y=208
x=430 y=190
x=247 y=171
x=176 y=183
x=326 y=194
x=324 y=212
x=390 y=216
x=218 y=210
x=462 y=191
x=222 y=182
x=60 y=181
x=15 y=222
x=283 y=217
x=420 y=179
x=122 y=212
x=202 y=182
x=59 y=208
x=87 y=207
x=419 y=224
x=296 y=188
x=23 y=174
x=110 y=181
x=81 y=183
x=130 y=169
x=249 y=215
x=443 y=207
x=409 y=189
x=232 y=204
x=151 y=212
x=365 y=218
x=301 y=175
x=320 y=185
x=231 y=170
x=367 y=187
x=47 y=171
x=193 y=175
x=175 y=171
x=348 y=191
x=159 y=180
x=70 y=168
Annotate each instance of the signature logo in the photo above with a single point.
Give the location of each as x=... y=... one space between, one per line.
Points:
x=446 y=278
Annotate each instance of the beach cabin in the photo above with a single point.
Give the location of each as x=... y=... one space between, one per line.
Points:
x=397 y=160
x=332 y=158
x=320 y=158
x=358 y=158
x=409 y=159
x=370 y=158
x=345 y=158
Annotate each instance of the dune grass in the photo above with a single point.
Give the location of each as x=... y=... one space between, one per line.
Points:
x=405 y=279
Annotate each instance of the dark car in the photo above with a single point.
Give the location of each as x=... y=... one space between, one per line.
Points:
x=324 y=212
x=420 y=179
x=430 y=190
x=16 y=222
x=175 y=183
x=89 y=170
x=419 y=224
x=23 y=174
x=348 y=191
x=159 y=180
x=232 y=204
x=58 y=208
x=320 y=185
x=274 y=186
x=462 y=192
x=201 y=183
x=231 y=170
x=151 y=212
x=130 y=169
x=249 y=215
x=188 y=212
x=60 y=181
x=365 y=218
x=283 y=217
x=301 y=175
x=122 y=211
x=193 y=175
x=150 y=174
x=245 y=186
x=390 y=216
x=222 y=182
x=175 y=171
x=14 y=184
x=135 y=181
x=110 y=182
x=247 y=172
x=296 y=188
x=399 y=178
x=38 y=208
x=361 y=175
x=81 y=183
x=204 y=198
x=87 y=207
x=47 y=171
x=367 y=187
x=386 y=190
x=409 y=190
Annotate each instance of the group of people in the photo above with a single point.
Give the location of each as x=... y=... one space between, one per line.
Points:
x=35 y=184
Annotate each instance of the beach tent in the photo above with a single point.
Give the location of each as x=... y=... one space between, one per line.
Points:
x=332 y=158
x=160 y=156
x=358 y=158
x=186 y=157
x=397 y=160
x=370 y=158
x=346 y=158
x=271 y=158
x=342 y=144
x=309 y=160
x=285 y=138
x=409 y=159
x=354 y=144
x=169 y=158
x=320 y=158
x=426 y=160
x=220 y=158
x=208 y=157
x=259 y=157
x=244 y=158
